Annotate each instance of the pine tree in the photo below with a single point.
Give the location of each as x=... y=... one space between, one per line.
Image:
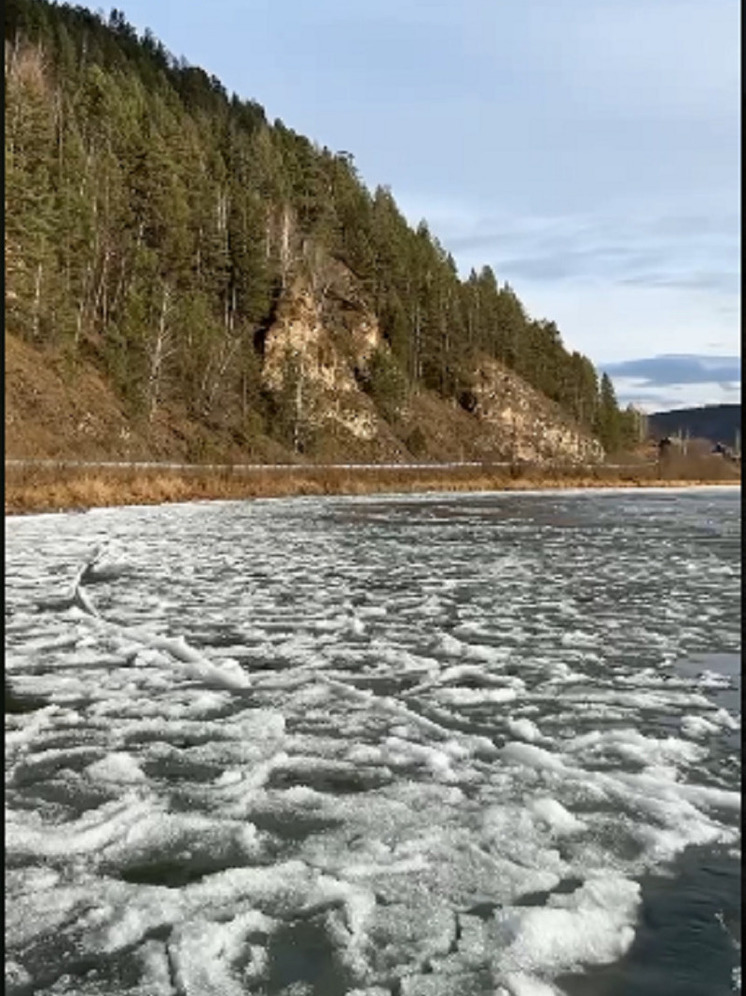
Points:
x=608 y=427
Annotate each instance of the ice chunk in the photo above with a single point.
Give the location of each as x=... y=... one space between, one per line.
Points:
x=17 y=976
x=698 y=726
x=556 y=816
x=525 y=729
x=532 y=756
x=593 y=925
x=116 y=767
x=156 y=969
x=712 y=679
x=92 y=832
x=723 y=718
x=205 y=952
x=521 y=984
x=475 y=696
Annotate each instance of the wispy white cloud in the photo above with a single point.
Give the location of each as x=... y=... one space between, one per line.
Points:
x=664 y=250
x=656 y=383
x=679 y=368
x=629 y=391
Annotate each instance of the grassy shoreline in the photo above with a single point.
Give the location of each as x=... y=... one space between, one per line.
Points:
x=50 y=489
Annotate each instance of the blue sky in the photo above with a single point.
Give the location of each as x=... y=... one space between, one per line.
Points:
x=588 y=150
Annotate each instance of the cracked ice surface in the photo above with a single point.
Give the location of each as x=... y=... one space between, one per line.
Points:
x=392 y=745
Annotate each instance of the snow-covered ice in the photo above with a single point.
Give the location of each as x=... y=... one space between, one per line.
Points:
x=402 y=745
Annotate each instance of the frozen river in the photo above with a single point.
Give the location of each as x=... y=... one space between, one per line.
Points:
x=399 y=746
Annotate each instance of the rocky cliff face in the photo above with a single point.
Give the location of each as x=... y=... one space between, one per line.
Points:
x=320 y=345
x=316 y=364
x=533 y=428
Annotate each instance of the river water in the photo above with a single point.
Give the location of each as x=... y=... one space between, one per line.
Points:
x=393 y=746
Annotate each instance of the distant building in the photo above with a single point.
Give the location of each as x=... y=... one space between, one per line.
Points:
x=726 y=452
x=664 y=446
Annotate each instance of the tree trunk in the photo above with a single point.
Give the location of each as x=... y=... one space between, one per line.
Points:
x=298 y=406
x=81 y=306
x=37 y=301
x=158 y=355
x=285 y=254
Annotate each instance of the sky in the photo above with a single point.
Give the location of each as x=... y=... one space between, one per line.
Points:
x=587 y=150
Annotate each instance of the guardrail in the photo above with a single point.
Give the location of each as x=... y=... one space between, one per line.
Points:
x=290 y=467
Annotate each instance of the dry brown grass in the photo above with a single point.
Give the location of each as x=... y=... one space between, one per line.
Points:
x=56 y=488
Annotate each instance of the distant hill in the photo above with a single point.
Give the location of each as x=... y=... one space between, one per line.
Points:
x=719 y=423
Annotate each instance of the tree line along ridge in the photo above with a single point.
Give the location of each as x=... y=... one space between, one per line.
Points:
x=153 y=221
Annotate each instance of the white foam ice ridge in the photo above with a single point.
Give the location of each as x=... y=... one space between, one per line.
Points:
x=392 y=745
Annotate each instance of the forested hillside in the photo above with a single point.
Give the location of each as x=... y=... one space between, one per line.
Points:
x=718 y=423
x=158 y=227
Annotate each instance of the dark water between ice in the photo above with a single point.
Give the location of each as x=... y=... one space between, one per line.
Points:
x=407 y=745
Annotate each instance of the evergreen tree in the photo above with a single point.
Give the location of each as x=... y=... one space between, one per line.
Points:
x=608 y=423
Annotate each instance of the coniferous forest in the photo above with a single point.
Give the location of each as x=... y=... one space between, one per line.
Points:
x=153 y=222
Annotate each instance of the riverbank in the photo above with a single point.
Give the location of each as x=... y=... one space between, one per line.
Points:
x=53 y=488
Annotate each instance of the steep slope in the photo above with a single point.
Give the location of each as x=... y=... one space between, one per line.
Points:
x=319 y=361
x=57 y=411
